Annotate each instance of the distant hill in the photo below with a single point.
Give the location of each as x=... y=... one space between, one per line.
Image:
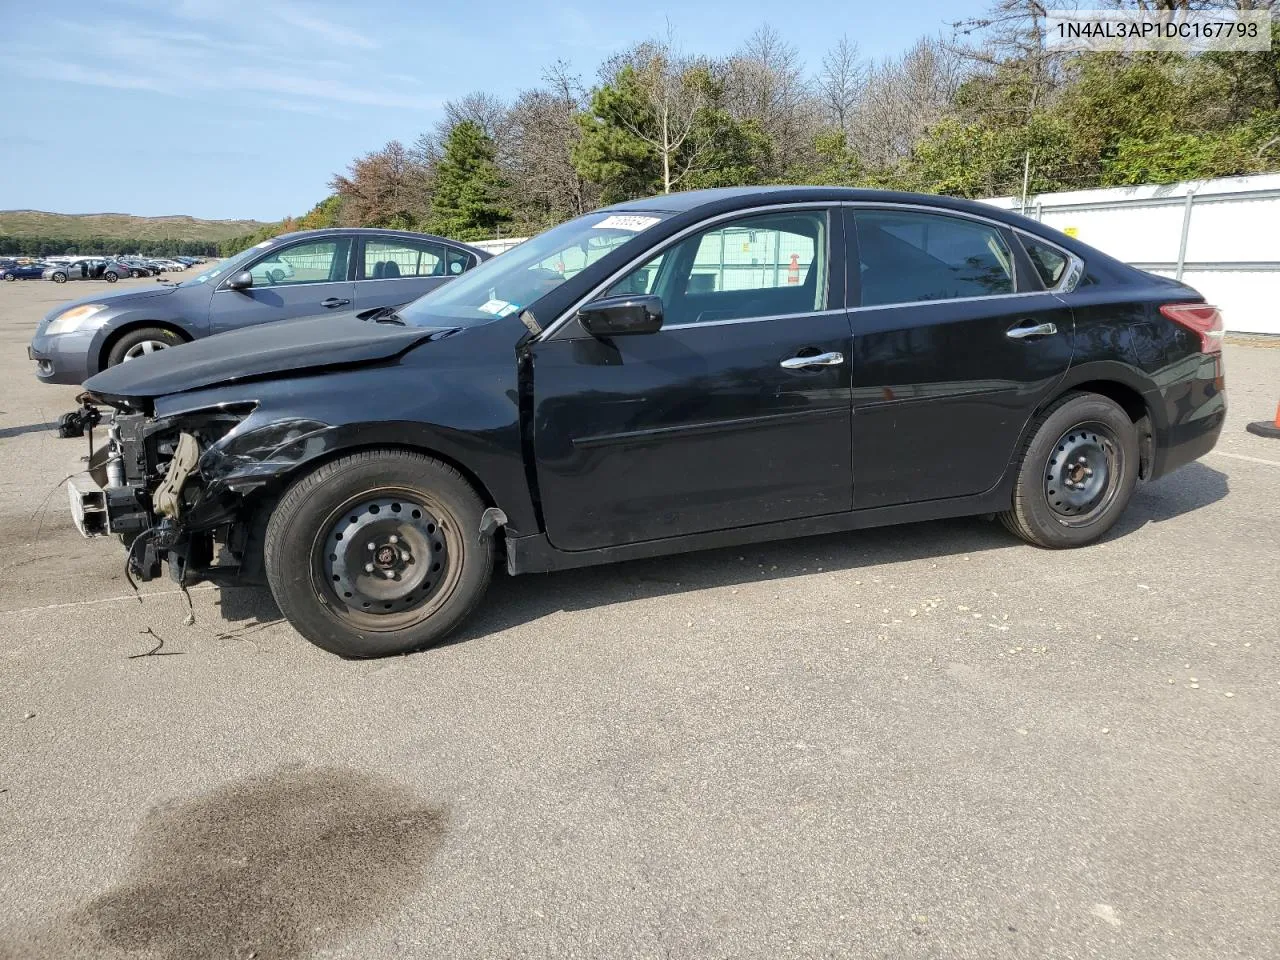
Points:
x=120 y=226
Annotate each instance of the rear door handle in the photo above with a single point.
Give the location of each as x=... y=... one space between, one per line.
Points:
x=1022 y=332
x=820 y=360
x=332 y=302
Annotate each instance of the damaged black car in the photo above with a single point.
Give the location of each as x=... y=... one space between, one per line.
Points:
x=696 y=370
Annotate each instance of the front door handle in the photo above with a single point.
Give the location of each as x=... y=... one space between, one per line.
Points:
x=332 y=302
x=819 y=360
x=1021 y=332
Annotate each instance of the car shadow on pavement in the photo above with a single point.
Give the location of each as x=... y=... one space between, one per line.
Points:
x=7 y=432
x=281 y=865
x=514 y=601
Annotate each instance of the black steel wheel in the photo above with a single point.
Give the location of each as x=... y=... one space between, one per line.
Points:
x=1077 y=470
x=388 y=559
x=1083 y=475
x=378 y=553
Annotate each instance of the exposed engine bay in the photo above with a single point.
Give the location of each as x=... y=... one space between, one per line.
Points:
x=175 y=489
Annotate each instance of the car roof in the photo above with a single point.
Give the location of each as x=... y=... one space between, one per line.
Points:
x=378 y=232
x=730 y=198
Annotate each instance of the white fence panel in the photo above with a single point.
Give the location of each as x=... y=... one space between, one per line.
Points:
x=1216 y=235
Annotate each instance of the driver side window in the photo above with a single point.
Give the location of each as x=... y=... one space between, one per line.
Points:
x=768 y=265
x=314 y=261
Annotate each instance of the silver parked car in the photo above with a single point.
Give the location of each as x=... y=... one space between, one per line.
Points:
x=88 y=269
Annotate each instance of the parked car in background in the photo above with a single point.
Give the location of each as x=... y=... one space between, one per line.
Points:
x=295 y=275
x=84 y=269
x=139 y=268
x=23 y=271
x=689 y=371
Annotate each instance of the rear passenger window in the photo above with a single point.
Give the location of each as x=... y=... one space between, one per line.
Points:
x=458 y=262
x=913 y=257
x=390 y=259
x=1050 y=263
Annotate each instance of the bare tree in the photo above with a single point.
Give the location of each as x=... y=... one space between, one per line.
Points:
x=674 y=89
x=386 y=188
x=902 y=99
x=764 y=82
x=546 y=186
x=841 y=82
x=487 y=111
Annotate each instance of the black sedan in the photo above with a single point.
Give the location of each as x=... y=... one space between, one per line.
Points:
x=23 y=271
x=689 y=371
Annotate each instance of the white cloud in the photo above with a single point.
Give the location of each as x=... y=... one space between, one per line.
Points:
x=322 y=28
x=288 y=74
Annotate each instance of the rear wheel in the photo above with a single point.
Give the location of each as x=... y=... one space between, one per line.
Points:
x=378 y=553
x=111 y=276
x=135 y=274
x=138 y=343
x=1077 y=473
x=9 y=278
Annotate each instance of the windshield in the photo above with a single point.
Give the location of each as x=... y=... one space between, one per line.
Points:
x=230 y=265
x=514 y=279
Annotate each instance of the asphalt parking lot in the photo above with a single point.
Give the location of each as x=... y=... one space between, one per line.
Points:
x=924 y=741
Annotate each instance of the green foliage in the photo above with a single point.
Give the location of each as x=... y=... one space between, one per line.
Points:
x=612 y=151
x=467 y=203
x=624 y=137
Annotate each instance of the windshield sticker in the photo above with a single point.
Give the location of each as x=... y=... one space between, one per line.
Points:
x=499 y=308
x=633 y=223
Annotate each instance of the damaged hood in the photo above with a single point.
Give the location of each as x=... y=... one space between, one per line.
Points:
x=272 y=349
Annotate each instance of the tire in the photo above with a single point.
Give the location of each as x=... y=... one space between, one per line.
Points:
x=134 y=343
x=1076 y=473
x=111 y=276
x=330 y=553
x=9 y=278
x=59 y=278
x=135 y=274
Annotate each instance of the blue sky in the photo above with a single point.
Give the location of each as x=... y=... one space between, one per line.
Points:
x=233 y=108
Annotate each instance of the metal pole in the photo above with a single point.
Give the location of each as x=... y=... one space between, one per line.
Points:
x=1026 y=178
x=1186 y=232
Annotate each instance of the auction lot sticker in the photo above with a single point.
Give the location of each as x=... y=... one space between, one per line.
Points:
x=633 y=223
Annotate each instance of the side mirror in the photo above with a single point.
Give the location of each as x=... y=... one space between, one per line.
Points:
x=241 y=281
x=622 y=316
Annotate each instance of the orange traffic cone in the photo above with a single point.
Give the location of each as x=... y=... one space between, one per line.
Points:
x=1264 y=429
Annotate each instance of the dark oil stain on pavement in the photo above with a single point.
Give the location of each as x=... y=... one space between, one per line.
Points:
x=272 y=867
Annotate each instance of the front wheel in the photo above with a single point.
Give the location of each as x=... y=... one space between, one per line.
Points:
x=138 y=343
x=378 y=553
x=9 y=278
x=1078 y=470
x=59 y=278
x=135 y=274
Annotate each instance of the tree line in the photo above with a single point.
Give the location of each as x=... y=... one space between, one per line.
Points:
x=41 y=246
x=986 y=109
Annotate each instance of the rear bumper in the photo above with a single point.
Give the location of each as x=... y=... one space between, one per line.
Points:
x=1195 y=410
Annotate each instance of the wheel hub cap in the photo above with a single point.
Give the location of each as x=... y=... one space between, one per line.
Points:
x=385 y=555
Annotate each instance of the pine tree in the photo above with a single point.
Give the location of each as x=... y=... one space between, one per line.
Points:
x=468 y=202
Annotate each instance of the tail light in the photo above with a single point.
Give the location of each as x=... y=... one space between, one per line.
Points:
x=1201 y=319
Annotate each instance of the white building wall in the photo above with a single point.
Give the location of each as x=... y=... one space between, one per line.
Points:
x=1231 y=252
